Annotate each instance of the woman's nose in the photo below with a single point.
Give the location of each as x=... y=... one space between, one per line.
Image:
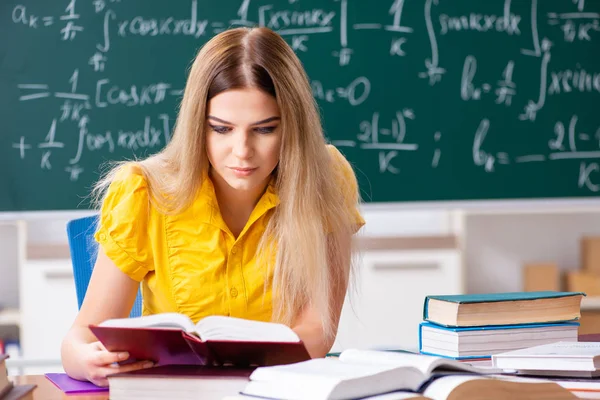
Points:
x=242 y=146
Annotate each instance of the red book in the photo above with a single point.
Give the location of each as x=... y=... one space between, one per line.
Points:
x=171 y=338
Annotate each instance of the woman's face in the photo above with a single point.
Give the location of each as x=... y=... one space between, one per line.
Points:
x=243 y=138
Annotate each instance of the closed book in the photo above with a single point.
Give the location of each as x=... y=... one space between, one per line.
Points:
x=482 y=342
x=168 y=339
x=69 y=385
x=561 y=357
x=20 y=392
x=380 y=375
x=5 y=384
x=502 y=308
x=185 y=382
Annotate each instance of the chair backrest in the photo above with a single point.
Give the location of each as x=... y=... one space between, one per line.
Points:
x=84 y=249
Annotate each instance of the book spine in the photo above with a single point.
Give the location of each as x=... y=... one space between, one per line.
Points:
x=420 y=337
x=199 y=348
x=4 y=391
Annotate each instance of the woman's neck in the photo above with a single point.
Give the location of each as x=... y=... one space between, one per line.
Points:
x=236 y=205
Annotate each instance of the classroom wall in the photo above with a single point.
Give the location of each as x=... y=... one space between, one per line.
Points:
x=498 y=245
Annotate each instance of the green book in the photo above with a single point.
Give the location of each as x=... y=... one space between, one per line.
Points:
x=512 y=308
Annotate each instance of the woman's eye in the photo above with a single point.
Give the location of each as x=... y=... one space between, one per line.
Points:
x=220 y=129
x=265 y=129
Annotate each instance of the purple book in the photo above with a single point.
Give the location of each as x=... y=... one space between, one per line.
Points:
x=69 y=385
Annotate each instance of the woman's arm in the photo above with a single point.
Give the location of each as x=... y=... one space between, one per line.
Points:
x=308 y=325
x=310 y=330
x=110 y=294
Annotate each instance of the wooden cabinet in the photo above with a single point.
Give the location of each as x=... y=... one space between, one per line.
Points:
x=48 y=306
x=386 y=307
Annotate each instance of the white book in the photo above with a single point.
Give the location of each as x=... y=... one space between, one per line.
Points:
x=380 y=375
x=355 y=374
x=560 y=356
x=482 y=342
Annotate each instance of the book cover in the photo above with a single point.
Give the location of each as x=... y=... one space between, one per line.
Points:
x=172 y=346
x=495 y=297
x=19 y=392
x=180 y=371
x=69 y=385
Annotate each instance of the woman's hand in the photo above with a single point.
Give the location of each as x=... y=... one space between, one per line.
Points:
x=110 y=294
x=98 y=363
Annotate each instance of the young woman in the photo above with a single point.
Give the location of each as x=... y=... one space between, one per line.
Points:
x=246 y=212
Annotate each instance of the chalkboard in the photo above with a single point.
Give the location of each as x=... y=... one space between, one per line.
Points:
x=430 y=100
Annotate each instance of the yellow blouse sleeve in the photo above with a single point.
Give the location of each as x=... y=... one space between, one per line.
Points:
x=123 y=226
x=348 y=185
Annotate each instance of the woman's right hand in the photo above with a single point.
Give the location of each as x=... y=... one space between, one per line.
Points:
x=98 y=363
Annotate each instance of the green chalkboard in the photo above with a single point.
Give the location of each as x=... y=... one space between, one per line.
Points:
x=431 y=100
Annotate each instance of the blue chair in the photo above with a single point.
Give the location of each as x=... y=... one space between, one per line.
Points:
x=84 y=248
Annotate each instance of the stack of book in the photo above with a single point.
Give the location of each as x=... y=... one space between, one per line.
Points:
x=8 y=391
x=562 y=359
x=572 y=365
x=475 y=327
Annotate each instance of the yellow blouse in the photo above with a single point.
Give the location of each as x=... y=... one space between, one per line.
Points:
x=190 y=263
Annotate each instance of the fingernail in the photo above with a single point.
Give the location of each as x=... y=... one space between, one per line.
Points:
x=148 y=364
x=123 y=356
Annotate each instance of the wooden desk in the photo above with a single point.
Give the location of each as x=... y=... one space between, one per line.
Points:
x=45 y=390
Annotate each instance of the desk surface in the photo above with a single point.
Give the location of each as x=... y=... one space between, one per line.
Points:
x=47 y=391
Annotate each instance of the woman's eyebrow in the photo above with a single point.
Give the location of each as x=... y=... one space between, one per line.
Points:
x=264 y=121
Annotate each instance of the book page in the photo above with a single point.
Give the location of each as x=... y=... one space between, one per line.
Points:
x=322 y=369
x=163 y=320
x=218 y=327
x=426 y=364
x=325 y=378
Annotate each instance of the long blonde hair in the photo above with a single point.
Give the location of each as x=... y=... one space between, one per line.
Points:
x=311 y=226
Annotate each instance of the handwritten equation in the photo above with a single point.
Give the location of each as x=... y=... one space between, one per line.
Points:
x=425 y=42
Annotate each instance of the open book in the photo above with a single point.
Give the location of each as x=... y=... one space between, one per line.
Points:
x=355 y=374
x=172 y=338
x=389 y=375
x=215 y=327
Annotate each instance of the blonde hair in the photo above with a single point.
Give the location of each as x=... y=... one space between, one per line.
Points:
x=311 y=226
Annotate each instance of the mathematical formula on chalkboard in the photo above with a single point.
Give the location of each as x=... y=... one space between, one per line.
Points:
x=92 y=111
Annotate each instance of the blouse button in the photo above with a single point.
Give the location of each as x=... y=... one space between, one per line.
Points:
x=233 y=292
x=234 y=250
x=102 y=237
